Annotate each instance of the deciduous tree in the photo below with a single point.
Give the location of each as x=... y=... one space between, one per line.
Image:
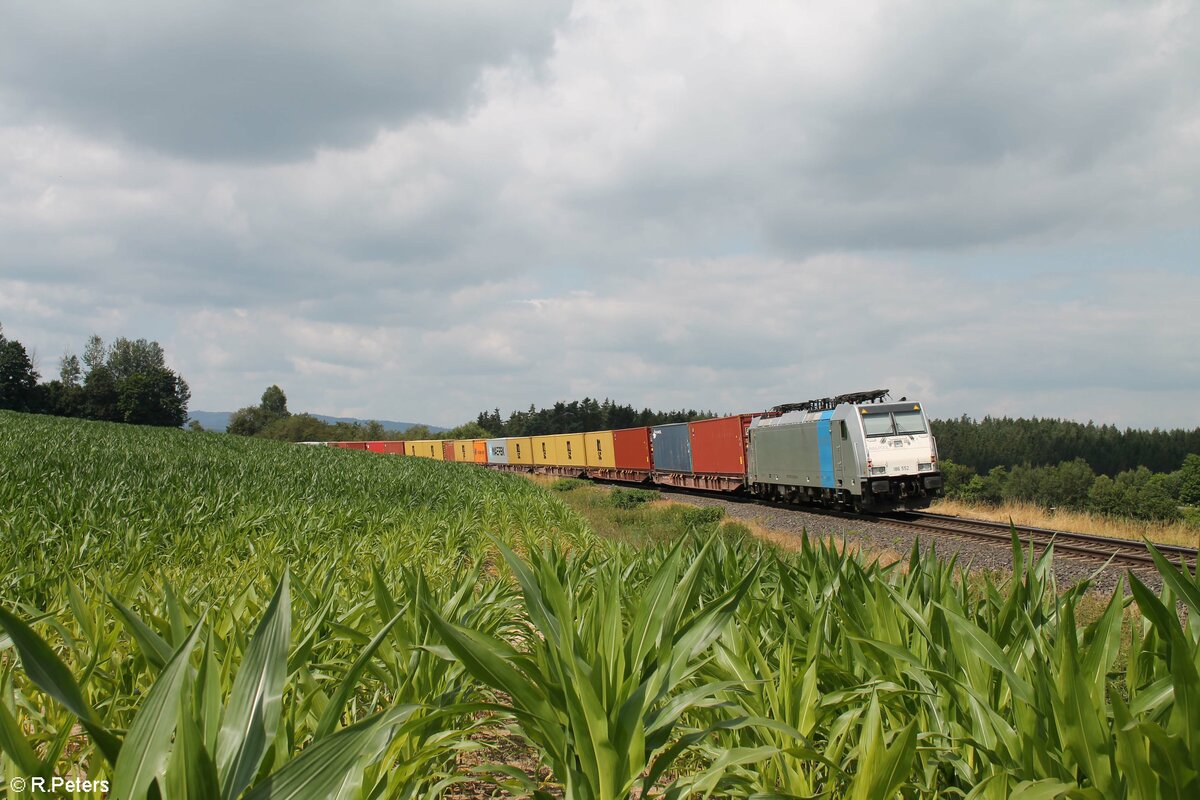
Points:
x=70 y=372
x=274 y=401
x=18 y=379
x=1189 y=480
x=129 y=357
x=154 y=396
x=252 y=420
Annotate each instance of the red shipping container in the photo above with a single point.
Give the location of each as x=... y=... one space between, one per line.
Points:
x=631 y=449
x=448 y=450
x=351 y=445
x=719 y=445
x=396 y=448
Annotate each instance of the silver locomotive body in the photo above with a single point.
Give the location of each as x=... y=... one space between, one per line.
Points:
x=853 y=451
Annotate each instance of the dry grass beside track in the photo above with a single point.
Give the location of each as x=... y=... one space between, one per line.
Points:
x=661 y=518
x=789 y=541
x=1179 y=533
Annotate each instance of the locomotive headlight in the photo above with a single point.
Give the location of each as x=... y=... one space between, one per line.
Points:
x=925 y=467
x=879 y=470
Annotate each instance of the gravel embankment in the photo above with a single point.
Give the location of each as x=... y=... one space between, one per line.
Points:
x=883 y=537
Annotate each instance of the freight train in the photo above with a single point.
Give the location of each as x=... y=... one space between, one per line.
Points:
x=855 y=451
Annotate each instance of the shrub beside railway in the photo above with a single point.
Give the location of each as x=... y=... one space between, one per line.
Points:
x=221 y=614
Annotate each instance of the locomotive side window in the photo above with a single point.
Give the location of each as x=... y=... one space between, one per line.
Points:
x=845 y=432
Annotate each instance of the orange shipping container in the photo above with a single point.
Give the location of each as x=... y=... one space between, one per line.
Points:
x=481 y=451
x=719 y=445
x=631 y=447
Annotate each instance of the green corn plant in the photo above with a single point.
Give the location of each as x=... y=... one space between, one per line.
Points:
x=1000 y=690
x=728 y=669
x=602 y=682
x=186 y=741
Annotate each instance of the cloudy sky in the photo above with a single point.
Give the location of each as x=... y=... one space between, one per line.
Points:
x=416 y=211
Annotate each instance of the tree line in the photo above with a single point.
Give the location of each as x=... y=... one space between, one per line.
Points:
x=580 y=416
x=1058 y=463
x=127 y=381
x=271 y=419
x=1108 y=450
x=1073 y=485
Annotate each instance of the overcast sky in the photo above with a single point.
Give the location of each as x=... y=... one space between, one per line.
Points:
x=421 y=210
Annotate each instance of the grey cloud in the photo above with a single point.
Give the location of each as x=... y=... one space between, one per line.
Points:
x=958 y=346
x=824 y=192
x=943 y=125
x=257 y=81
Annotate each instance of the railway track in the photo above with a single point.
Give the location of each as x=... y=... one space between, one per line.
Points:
x=1129 y=553
x=1126 y=552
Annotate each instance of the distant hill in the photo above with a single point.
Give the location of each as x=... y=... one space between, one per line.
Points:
x=219 y=421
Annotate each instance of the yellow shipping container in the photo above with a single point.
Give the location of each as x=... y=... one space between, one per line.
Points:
x=464 y=450
x=426 y=448
x=520 y=450
x=543 y=450
x=599 y=446
x=570 y=448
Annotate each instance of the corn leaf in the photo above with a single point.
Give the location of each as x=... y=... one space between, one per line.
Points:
x=252 y=713
x=146 y=747
x=50 y=675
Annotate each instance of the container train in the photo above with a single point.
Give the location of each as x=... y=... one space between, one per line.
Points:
x=854 y=451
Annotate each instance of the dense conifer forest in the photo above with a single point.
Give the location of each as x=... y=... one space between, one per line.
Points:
x=1108 y=450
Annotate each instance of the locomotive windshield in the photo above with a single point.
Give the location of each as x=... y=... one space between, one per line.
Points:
x=909 y=422
x=878 y=424
x=892 y=423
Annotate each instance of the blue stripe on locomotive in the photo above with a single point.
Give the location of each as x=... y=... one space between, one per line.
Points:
x=825 y=448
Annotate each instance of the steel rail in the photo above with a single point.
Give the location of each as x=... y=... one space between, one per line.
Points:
x=1085 y=545
x=1126 y=552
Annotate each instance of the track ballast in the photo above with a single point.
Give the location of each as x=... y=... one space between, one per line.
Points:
x=1128 y=552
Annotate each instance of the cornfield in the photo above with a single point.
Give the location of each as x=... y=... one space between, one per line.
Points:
x=189 y=615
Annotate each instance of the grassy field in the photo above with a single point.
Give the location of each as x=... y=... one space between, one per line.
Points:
x=195 y=615
x=1180 y=533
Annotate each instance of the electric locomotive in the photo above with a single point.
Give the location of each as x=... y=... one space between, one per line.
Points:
x=853 y=450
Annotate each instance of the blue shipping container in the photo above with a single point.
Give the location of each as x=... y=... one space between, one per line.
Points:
x=672 y=447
